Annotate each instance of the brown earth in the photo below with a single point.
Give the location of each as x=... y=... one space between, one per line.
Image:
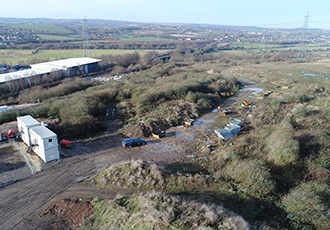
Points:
x=22 y=203
x=10 y=158
x=65 y=214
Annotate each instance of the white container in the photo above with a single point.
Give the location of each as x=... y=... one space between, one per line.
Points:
x=44 y=143
x=24 y=124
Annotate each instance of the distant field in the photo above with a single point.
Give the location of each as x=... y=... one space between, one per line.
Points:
x=16 y=56
x=39 y=27
x=131 y=38
x=59 y=37
x=255 y=46
x=296 y=73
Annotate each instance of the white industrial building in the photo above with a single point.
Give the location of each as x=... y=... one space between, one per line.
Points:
x=70 y=67
x=39 y=138
x=24 y=124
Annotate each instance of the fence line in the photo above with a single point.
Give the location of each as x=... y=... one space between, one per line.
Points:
x=15 y=175
x=26 y=171
x=25 y=157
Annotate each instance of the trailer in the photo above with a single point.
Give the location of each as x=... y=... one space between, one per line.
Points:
x=24 y=124
x=44 y=143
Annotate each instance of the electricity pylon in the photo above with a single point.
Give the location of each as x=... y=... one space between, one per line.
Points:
x=85 y=35
x=302 y=47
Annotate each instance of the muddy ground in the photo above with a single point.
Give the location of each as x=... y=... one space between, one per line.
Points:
x=22 y=203
x=10 y=158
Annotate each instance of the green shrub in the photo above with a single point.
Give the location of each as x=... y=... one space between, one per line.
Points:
x=300 y=111
x=252 y=177
x=191 y=97
x=275 y=103
x=282 y=148
x=296 y=98
x=8 y=116
x=161 y=211
x=307 y=206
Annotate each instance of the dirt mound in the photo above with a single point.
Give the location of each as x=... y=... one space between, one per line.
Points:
x=144 y=129
x=162 y=211
x=66 y=214
x=141 y=175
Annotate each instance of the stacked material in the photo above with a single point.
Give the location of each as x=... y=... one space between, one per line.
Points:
x=236 y=121
x=231 y=130
x=234 y=129
x=223 y=134
x=5 y=108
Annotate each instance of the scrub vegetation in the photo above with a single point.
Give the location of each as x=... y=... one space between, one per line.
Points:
x=275 y=174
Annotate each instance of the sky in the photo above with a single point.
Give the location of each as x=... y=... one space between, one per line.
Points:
x=262 y=13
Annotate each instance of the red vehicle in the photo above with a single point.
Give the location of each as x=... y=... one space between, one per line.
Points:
x=11 y=133
x=66 y=143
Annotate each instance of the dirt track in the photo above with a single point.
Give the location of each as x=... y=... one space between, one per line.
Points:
x=21 y=203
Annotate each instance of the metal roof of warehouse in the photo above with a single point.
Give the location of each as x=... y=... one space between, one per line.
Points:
x=47 y=67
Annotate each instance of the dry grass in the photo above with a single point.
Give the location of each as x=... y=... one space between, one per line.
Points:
x=308 y=206
x=140 y=175
x=161 y=211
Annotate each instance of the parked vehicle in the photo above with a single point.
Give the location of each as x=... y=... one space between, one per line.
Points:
x=134 y=141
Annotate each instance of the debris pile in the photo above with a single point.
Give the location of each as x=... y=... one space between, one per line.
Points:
x=231 y=129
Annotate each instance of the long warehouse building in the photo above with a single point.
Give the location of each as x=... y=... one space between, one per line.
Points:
x=70 y=67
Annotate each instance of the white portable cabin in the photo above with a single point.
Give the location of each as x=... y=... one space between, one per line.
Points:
x=44 y=143
x=24 y=124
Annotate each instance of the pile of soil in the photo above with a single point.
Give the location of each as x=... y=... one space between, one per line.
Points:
x=141 y=175
x=142 y=130
x=66 y=214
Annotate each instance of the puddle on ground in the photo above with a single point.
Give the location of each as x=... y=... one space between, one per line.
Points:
x=189 y=138
x=255 y=90
x=306 y=75
x=201 y=121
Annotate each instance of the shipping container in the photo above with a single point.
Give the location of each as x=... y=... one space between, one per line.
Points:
x=24 y=124
x=44 y=143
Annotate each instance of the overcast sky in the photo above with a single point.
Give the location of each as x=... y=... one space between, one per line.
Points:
x=270 y=13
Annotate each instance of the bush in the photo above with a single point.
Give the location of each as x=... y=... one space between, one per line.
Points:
x=191 y=97
x=161 y=211
x=8 y=116
x=282 y=148
x=300 y=111
x=275 y=103
x=252 y=177
x=307 y=206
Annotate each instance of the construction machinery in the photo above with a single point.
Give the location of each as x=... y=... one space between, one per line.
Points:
x=225 y=112
x=246 y=104
x=158 y=134
x=189 y=122
x=66 y=143
x=226 y=94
